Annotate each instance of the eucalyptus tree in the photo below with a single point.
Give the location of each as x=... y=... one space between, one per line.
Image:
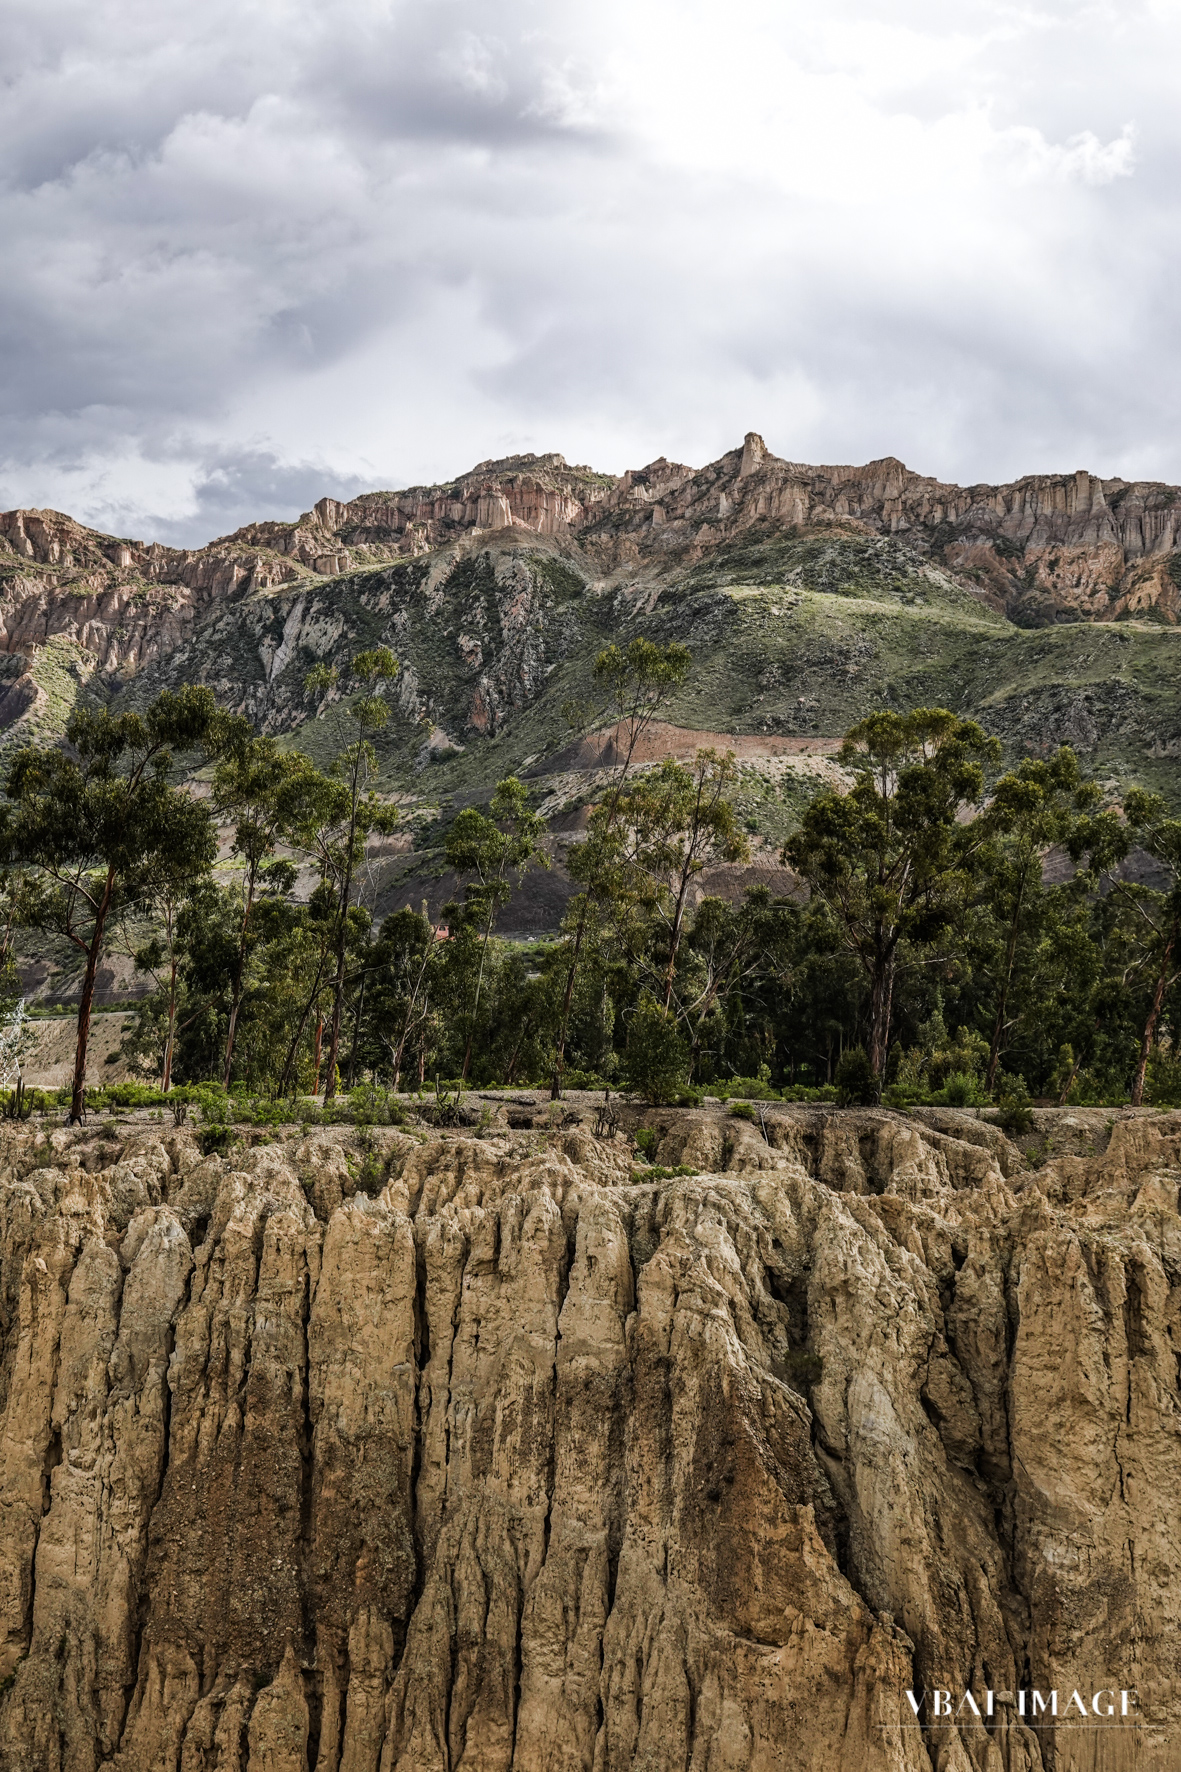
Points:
x=890 y=860
x=267 y=794
x=637 y=682
x=489 y=849
x=104 y=823
x=404 y=963
x=673 y=822
x=1044 y=803
x=1152 y=923
x=336 y=827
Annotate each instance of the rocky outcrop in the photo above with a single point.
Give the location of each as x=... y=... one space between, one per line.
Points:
x=1044 y=548
x=1047 y=547
x=519 y=1460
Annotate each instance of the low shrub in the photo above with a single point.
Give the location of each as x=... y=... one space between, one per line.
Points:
x=961 y=1089
x=1014 y=1111
x=646 y=1141
x=856 y=1084
x=216 y=1140
x=748 y=1089
x=1164 y=1079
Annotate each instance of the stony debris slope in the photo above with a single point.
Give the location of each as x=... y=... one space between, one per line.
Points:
x=509 y=1458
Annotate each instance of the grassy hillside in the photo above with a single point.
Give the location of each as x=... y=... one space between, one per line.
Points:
x=793 y=634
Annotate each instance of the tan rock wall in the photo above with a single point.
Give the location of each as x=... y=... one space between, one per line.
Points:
x=529 y=1464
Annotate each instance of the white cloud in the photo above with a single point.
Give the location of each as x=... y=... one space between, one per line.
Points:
x=260 y=248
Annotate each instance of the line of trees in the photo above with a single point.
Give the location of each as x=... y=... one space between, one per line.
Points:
x=959 y=932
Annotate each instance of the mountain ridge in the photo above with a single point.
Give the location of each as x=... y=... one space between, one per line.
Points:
x=1047 y=608
x=1090 y=546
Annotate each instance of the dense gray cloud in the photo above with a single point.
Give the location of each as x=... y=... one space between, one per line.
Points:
x=255 y=252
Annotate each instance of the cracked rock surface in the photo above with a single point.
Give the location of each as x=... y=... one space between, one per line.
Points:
x=526 y=1462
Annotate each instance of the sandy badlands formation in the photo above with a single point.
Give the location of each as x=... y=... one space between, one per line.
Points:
x=512 y=1461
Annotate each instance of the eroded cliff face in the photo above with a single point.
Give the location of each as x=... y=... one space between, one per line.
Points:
x=1044 y=548
x=525 y=1463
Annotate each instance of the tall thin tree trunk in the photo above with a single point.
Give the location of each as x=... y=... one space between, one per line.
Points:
x=613 y=799
x=356 y=1031
x=998 y=1027
x=78 y=1097
x=337 y=1014
x=235 y=1005
x=1069 y=1083
x=288 y=1075
x=1158 y=997
x=511 y=1073
x=471 y=1032
x=567 y=999
x=881 y=1003
x=239 y=978
x=674 y=944
x=346 y=892
x=169 y=1042
x=319 y=1038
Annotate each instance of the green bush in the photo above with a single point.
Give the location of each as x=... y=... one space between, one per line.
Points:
x=573 y=1079
x=29 y=1101
x=216 y=1140
x=961 y=1089
x=801 y=1367
x=748 y=1089
x=1164 y=1079
x=1014 y=1113
x=646 y=1142
x=368 y=1105
x=742 y=1110
x=129 y=1095
x=856 y=1084
x=905 y=1095
x=657 y=1055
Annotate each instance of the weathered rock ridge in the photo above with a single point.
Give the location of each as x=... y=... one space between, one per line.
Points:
x=1046 y=547
x=517 y=1460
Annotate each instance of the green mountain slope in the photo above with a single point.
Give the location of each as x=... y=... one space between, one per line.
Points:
x=807 y=596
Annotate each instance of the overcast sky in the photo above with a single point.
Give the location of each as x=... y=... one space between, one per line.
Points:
x=254 y=251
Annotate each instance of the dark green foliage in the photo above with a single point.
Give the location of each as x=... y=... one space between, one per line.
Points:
x=857 y=1085
x=103 y=826
x=750 y=1089
x=562 y=580
x=1014 y=1112
x=657 y=1056
x=931 y=906
x=1164 y=1079
x=890 y=861
x=216 y=1140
